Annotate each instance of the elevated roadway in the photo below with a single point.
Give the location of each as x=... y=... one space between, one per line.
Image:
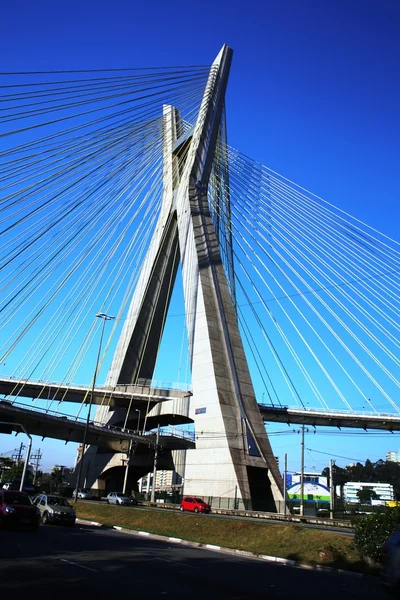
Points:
x=137 y=396
x=63 y=427
x=171 y=406
x=329 y=418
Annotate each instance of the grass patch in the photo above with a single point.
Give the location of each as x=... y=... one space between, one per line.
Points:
x=286 y=541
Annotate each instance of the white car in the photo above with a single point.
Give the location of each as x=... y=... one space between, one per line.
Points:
x=117 y=498
x=83 y=494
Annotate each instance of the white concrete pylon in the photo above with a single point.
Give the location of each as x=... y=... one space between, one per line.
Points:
x=233 y=457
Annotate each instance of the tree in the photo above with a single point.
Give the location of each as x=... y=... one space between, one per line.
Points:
x=6 y=464
x=365 y=495
x=379 y=472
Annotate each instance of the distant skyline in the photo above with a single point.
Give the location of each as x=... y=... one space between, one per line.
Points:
x=314 y=93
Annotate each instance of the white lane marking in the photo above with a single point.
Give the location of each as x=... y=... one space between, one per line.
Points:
x=144 y=533
x=176 y=562
x=78 y=565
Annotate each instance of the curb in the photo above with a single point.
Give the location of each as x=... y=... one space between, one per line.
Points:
x=244 y=553
x=95 y=523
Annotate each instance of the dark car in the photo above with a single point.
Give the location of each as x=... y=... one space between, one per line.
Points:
x=391 y=563
x=16 y=508
x=194 y=504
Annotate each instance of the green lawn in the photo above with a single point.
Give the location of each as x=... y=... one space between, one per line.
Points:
x=286 y=541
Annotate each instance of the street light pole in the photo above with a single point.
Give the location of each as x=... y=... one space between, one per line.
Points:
x=302 y=473
x=153 y=487
x=78 y=480
x=128 y=454
x=138 y=421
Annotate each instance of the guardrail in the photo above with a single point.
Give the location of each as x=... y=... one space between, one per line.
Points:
x=330 y=411
x=167 y=431
x=81 y=420
x=151 y=383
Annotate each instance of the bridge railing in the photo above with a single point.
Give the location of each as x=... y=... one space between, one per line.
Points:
x=151 y=383
x=329 y=411
x=75 y=418
x=179 y=433
x=166 y=431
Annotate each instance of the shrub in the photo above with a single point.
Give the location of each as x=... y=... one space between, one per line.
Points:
x=372 y=531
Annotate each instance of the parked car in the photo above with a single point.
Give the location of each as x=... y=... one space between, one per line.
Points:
x=55 y=509
x=117 y=498
x=16 y=508
x=391 y=563
x=194 y=504
x=84 y=494
x=15 y=485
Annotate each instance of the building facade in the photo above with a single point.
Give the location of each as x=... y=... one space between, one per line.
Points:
x=384 y=491
x=393 y=456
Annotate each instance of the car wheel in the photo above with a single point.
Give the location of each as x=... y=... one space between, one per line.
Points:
x=108 y=502
x=181 y=508
x=196 y=510
x=45 y=518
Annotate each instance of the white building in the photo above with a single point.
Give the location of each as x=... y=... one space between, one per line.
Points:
x=310 y=477
x=165 y=481
x=384 y=491
x=393 y=456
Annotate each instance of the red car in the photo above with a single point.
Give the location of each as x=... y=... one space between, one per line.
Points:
x=194 y=504
x=16 y=508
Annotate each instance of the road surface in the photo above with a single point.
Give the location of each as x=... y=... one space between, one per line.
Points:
x=104 y=562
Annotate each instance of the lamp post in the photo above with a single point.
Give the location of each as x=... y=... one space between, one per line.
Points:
x=138 y=421
x=128 y=454
x=105 y=318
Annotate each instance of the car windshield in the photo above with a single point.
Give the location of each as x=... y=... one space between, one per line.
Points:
x=54 y=501
x=17 y=499
x=199 y=500
x=121 y=496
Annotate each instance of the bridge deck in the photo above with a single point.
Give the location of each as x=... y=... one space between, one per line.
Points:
x=120 y=397
x=61 y=427
x=314 y=417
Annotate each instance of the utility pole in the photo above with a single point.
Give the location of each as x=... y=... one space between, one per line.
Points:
x=285 y=486
x=332 y=490
x=36 y=457
x=128 y=457
x=302 y=473
x=18 y=456
x=153 y=487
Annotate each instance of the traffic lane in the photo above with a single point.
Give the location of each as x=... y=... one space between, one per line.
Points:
x=105 y=561
x=339 y=530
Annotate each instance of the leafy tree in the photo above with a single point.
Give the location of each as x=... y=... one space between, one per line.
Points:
x=6 y=464
x=372 y=531
x=366 y=494
x=379 y=472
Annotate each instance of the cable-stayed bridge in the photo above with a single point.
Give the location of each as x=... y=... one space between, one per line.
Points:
x=121 y=194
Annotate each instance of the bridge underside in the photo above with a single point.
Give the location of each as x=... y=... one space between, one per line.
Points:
x=69 y=430
x=120 y=396
x=293 y=416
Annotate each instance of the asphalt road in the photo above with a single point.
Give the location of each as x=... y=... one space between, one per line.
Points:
x=106 y=562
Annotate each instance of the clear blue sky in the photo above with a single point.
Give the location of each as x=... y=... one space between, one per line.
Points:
x=314 y=94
